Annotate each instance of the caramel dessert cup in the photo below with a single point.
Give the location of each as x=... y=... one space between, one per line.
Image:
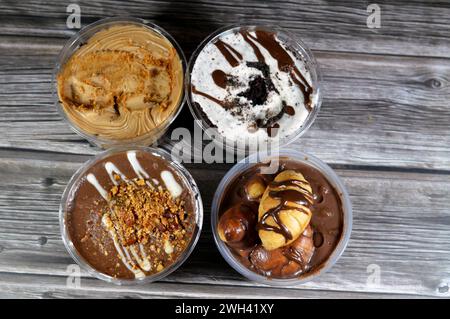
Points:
x=120 y=81
x=281 y=220
x=253 y=87
x=131 y=215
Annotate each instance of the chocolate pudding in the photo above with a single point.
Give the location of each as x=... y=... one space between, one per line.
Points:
x=282 y=225
x=131 y=215
x=125 y=82
x=252 y=85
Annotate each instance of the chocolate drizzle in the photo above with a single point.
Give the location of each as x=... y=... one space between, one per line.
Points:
x=271 y=124
x=286 y=196
x=224 y=104
x=294 y=183
x=246 y=35
x=289 y=110
x=220 y=78
x=284 y=60
x=306 y=92
x=272 y=130
x=275 y=214
x=228 y=51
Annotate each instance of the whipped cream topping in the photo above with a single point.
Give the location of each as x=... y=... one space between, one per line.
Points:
x=252 y=87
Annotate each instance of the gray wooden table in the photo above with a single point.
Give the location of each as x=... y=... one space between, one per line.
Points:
x=384 y=126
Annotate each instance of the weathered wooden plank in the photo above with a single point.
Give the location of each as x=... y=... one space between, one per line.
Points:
x=407 y=27
x=401 y=224
x=39 y=286
x=377 y=110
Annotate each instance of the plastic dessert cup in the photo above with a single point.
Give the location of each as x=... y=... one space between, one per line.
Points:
x=300 y=157
x=69 y=194
x=295 y=45
x=80 y=38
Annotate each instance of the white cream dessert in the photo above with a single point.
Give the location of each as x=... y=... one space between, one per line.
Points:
x=252 y=87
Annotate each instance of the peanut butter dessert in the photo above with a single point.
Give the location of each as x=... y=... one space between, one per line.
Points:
x=284 y=225
x=132 y=215
x=124 y=82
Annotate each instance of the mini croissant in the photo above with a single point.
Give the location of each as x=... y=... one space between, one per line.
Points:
x=284 y=211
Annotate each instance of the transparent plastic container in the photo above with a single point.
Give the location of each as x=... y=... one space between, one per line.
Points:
x=300 y=157
x=294 y=44
x=69 y=195
x=82 y=37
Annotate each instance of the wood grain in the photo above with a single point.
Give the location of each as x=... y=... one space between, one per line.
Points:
x=407 y=27
x=41 y=286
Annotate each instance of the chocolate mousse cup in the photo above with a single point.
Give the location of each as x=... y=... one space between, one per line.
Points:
x=240 y=217
x=131 y=215
x=120 y=81
x=253 y=88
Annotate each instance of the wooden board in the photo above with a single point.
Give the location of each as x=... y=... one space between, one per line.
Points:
x=384 y=127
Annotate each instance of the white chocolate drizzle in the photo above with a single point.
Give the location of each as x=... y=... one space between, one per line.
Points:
x=120 y=249
x=171 y=184
x=143 y=262
x=111 y=169
x=93 y=180
x=140 y=172
x=133 y=257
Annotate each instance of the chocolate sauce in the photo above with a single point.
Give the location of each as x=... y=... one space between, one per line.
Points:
x=289 y=110
x=311 y=250
x=220 y=78
x=246 y=35
x=299 y=196
x=271 y=124
x=275 y=214
x=285 y=62
x=224 y=104
x=273 y=130
x=292 y=182
x=290 y=195
x=228 y=51
x=306 y=92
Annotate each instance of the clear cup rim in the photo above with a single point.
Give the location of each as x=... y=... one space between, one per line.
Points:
x=301 y=48
x=69 y=49
x=302 y=157
x=68 y=191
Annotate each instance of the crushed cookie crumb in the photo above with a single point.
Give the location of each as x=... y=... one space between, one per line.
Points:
x=148 y=216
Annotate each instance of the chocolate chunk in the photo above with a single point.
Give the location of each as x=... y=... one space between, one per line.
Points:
x=257 y=91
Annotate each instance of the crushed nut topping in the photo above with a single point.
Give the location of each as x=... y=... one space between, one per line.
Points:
x=145 y=215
